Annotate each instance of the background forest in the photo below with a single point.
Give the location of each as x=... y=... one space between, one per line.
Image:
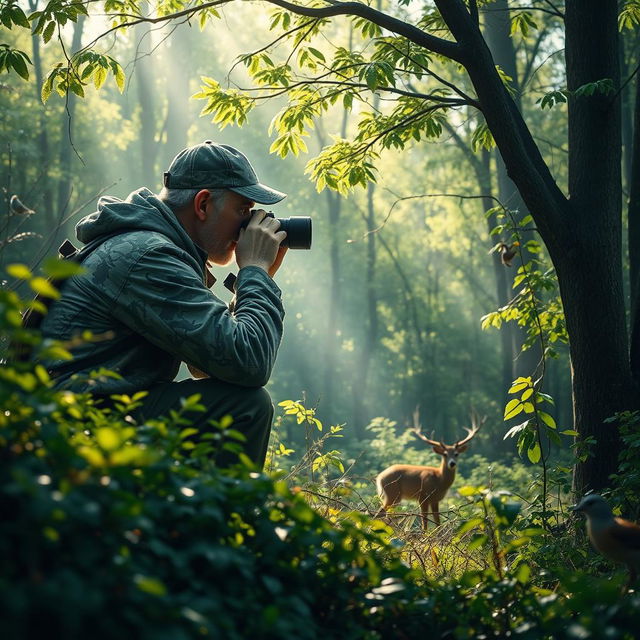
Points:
x=431 y=292
x=384 y=314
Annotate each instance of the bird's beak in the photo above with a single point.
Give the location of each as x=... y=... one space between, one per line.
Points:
x=575 y=507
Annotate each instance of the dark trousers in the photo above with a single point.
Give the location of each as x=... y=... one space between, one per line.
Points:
x=250 y=408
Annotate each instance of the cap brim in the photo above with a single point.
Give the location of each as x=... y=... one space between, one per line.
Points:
x=260 y=193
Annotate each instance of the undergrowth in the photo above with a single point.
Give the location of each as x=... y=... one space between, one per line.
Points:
x=113 y=528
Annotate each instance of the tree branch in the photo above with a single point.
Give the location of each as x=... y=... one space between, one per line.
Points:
x=553 y=12
x=444 y=47
x=473 y=11
x=438 y=45
x=522 y=156
x=453 y=87
x=279 y=91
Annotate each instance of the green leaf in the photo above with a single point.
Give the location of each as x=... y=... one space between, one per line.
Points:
x=513 y=408
x=547 y=419
x=569 y=432
x=43 y=287
x=20 y=271
x=544 y=397
x=519 y=384
x=76 y=88
x=468 y=491
x=317 y=54
x=477 y=542
x=629 y=17
x=19 y=64
x=99 y=76
x=18 y=16
x=371 y=77
x=527 y=394
x=48 y=31
x=534 y=453
x=523 y=573
x=108 y=438
x=55 y=352
x=120 y=77
x=47 y=87
x=469 y=525
x=152 y=586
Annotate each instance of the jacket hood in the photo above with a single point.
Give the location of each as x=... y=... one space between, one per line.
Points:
x=141 y=211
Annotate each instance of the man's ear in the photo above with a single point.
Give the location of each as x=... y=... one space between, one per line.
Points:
x=200 y=204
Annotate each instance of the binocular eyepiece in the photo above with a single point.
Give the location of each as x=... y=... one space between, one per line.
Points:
x=297 y=228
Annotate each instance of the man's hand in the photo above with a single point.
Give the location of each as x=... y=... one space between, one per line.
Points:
x=259 y=243
x=278 y=261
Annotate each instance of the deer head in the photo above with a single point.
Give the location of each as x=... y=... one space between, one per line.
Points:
x=450 y=452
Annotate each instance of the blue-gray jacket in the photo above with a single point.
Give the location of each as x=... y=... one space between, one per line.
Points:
x=144 y=300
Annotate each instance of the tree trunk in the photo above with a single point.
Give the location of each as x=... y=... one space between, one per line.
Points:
x=482 y=170
x=328 y=405
x=590 y=268
x=177 y=89
x=361 y=379
x=627 y=117
x=144 y=80
x=66 y=145
x=46 y=200
x=634 y=236
x=508 y=346
x=598 y=358
x=498 y=35
x=332 y=343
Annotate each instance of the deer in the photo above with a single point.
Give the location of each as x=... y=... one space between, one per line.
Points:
x=427 y=485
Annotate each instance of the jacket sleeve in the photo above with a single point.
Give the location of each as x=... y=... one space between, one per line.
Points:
x=163 y=299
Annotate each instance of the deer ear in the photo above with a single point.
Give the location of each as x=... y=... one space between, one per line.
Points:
x=439 y=450
x=462 y=448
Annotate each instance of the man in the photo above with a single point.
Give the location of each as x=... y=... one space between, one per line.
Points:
x=145 y=300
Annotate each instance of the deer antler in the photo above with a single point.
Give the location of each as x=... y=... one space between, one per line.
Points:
x=417 y=429
x=420 y=435
x=475 y=427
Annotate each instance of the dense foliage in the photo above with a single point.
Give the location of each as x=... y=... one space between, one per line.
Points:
x=116 y=528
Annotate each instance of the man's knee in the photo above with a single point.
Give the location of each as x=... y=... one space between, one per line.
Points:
x=239 y=402
x=260 y=401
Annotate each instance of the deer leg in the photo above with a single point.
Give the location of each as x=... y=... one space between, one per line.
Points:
x=424 y=507
x=380 y=513
x=436 y=513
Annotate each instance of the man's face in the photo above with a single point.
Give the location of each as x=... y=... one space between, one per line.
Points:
x=219 y=232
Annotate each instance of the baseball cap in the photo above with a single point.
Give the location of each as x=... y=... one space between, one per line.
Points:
x=218 y=166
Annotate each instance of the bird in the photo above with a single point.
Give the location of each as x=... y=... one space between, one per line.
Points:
x=508 y=253
x=615 y=538
x=18 y=207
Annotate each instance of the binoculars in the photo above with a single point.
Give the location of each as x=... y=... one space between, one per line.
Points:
x=297 y=228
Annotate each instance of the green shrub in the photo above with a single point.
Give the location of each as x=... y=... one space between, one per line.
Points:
x=113 y=529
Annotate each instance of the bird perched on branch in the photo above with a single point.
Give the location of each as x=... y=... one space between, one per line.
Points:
x=613 y=537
